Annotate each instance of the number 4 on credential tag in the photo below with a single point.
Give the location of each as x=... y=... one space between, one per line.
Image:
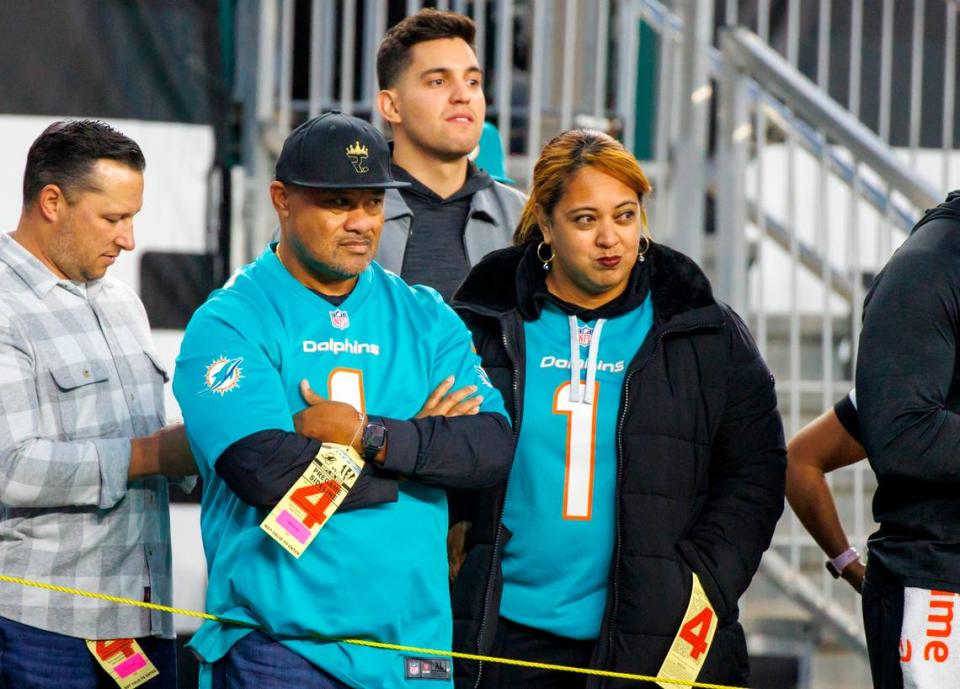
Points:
x=124 y=660
x=312 y=500
x=689 y=648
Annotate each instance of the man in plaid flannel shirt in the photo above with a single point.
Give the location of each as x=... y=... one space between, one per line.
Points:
x=85 y=456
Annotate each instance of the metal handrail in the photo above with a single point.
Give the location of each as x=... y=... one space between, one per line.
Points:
x=752 y=56
x=799 y=588
x=663 y=21
x=748 y=62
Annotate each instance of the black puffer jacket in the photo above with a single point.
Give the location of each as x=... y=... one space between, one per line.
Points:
x=701 y=464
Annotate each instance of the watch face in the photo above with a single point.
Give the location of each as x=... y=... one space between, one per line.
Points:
x=374 y=435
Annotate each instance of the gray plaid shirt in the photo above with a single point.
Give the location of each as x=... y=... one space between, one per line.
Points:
x=78 y=379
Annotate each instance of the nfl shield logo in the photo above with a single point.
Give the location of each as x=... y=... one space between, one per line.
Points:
x=339 y=319
x=585 y=334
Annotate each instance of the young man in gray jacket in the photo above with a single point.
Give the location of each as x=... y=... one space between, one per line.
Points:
x=452 y=214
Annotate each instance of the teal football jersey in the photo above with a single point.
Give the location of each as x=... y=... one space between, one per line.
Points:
x=376 y=573
x=560 y=499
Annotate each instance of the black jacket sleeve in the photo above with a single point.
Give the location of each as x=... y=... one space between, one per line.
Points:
x=746 y=478
x=908 y=352
x=261 y=467
x=459 y=452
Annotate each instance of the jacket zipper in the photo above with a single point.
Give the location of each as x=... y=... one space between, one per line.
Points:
x=503 y=505
x=619 y=539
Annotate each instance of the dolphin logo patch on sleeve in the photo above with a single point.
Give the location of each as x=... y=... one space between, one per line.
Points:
x=223 y=375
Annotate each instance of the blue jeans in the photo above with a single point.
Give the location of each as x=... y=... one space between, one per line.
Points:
x=259 y=662
x=32 y=658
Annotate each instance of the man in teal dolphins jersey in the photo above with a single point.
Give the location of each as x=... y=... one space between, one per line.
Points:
x=314 y=310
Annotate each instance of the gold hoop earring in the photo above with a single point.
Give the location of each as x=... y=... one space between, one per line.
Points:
x=644 y=248
x=546 y=261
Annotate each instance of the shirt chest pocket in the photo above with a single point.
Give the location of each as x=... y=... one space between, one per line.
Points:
x=157 y=374
x=82 y=397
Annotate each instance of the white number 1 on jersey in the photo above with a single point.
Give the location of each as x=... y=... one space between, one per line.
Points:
x=581 y=432
x=346 y=385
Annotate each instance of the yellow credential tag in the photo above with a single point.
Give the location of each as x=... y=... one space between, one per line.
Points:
x=124 y=660
x=312 y=500
x=691 y=644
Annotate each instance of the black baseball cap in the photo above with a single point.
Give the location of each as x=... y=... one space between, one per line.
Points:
x=336 y=151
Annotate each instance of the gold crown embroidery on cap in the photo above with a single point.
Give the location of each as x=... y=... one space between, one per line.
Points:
x=357 y=150
x=357 y=153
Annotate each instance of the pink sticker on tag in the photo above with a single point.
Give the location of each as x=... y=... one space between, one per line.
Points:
x=130 y=665
x=293 y=526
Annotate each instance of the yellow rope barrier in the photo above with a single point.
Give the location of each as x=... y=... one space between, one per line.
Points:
x=370 y=644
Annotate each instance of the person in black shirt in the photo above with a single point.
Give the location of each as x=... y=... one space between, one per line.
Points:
x=908 y=370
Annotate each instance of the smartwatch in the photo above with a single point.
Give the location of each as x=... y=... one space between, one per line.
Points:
x=837 y=564
x=374 y=437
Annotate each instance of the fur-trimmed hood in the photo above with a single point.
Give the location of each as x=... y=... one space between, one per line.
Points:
x=495 y=287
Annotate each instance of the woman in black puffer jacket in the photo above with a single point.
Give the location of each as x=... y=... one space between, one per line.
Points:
x=649 y=471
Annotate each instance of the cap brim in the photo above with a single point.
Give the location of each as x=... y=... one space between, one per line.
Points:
x=347 y=185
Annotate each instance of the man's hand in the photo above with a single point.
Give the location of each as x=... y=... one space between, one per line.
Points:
x=439 y=403
x=326 y=421
x=338 y=422
x=166 y=453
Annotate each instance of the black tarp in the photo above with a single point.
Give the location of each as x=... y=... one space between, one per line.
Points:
x=148 y=60
x=136 y=59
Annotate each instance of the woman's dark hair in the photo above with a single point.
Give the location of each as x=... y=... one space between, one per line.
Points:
x=66 y=152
